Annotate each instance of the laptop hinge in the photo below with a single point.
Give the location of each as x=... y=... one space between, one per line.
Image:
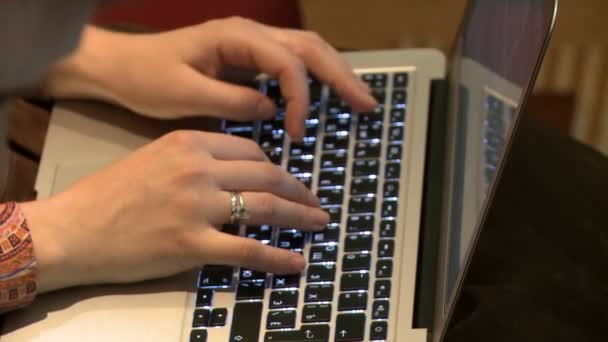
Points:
x=424 y=303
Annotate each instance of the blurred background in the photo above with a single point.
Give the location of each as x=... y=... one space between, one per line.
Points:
x=571 y=91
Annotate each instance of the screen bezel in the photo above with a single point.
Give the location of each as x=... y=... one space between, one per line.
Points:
x=443 y=316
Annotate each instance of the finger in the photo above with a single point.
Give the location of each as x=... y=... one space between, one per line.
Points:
x=260 y=51
x=224 y=100
x=228 y=147
x=226 y=249
x=266 y=177
x=268 y=209
x=327 y=65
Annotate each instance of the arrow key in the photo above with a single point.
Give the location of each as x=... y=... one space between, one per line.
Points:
x=350 y=327
x=308 y=333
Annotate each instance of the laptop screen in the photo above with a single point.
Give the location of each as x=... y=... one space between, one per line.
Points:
x=495 y=57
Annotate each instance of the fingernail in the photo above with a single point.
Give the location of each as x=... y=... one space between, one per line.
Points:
x=322 y=219
x=297 y=262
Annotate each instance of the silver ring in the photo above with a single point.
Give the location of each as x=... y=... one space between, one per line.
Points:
x=238 y=211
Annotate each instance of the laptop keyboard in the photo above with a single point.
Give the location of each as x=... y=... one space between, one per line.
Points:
x=353 y=163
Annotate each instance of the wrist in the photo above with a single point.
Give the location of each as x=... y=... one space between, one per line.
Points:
x=88 y=71
x=45 y=229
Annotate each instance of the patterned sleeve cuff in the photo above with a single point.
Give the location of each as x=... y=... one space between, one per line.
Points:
x=17 y=260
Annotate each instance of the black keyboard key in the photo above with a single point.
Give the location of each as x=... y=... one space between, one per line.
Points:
x=330 y=196
x=335 y=214
x=378 y=331
x=360 y=223
x=368 y=149
x=204 y=297
x=350 y=327
x=250 y=290
x=386 y=248
x=198 y=335
x=306 y=180
x=280 y=281
x=275 y=155
x=362 y=205
x=380 y=309
x=335 y=142
x=391 y=189
x=201 y=318
x=281 y=320
x=363 y=185
x=389 y=209
x=379 y=94
x=400 y=80
x=307 y=333
x=399 y=98
x=246 y=320
x=237 y=126
x=352 y=301
x=329 y=234
x=327 y=253
x=316 y=313
x=376 y=115
x=300 y=165
x=337 y=124
x=338 y=108
x=392 y=171
x=382 y=289
x=387 y=228
x=331 y=178
x=243 y=134
x=271 y=126
x=395 y=134
x=231 y=229
x=319 y=273
x=319 y=293
x=218 y=317
x=358 y=243
x=397 y=116
x=311 y=131
x=306 y=148
x=291 y=240
x=366 y=167
x=354 y=281
x=356 y=262
x=259 y=233
x=216 y=276
x=393 y=152
x=384 y=269
x=333 y=160
x=369 y=130
x=375 y=80
x=283 y=299
x=271 y=140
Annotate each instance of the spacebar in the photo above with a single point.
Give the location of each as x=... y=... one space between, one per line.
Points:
x=246 y=320
x=308 y=333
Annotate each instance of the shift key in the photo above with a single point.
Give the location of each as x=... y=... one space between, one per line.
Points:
x=246 y=320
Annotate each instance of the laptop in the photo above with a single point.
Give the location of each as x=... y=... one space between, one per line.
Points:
x=407 y=187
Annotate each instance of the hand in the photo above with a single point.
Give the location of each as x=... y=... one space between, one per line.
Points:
x=159 y=212
x=175 y=74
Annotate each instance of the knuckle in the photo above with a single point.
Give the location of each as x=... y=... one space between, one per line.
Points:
x=182 y=138
x=239 y=21
x=313 y=36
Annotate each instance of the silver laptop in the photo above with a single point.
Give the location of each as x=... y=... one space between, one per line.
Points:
x=407 y=187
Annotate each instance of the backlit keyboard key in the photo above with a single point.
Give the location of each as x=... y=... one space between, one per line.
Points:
x=358 y=243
